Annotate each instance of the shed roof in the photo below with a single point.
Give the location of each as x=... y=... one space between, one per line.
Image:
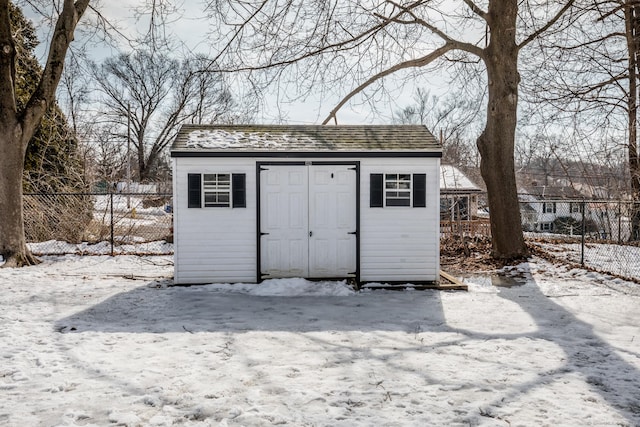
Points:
x=218 y=140
x=453 y=180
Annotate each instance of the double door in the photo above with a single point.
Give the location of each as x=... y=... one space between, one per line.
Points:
x=308 y=221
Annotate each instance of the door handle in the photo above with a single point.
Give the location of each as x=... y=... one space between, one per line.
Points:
x=310 y=233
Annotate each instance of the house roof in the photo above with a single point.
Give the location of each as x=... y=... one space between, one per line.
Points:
x=233 y=140
x=453 y=180
x=550 y=192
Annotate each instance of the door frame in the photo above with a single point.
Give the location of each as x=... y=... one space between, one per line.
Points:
x=260 y=166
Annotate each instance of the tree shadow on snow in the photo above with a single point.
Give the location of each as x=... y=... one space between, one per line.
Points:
x=148 y=309
x=582 y=353
x=586 y=356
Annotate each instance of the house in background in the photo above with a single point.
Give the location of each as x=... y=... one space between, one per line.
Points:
x=254 y=202
x=560 y=209
x=458 y=195
x=551 y=209
x=459 y=212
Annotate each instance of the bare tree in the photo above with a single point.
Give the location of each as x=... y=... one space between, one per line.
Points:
x=18 y=126
x=453 y=116
x=336 y=43
x=591 y=80
x=158 y=94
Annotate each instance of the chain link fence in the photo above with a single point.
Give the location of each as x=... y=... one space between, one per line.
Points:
x=98 y=223
x=600 y=234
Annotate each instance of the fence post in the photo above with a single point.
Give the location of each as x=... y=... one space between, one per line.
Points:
x=582 y=210
x=619 y=222
x=111 y=221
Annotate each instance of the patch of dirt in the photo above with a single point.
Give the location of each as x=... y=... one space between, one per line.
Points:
x=471 y=254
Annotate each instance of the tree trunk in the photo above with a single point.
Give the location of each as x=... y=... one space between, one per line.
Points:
x=13 y=244
x=17 y=128
x=497 y=142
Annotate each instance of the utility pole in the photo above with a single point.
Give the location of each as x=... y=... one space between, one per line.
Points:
x=128 y=156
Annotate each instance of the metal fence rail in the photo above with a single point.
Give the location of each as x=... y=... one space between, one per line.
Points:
x=601 y=234
x=99 y=223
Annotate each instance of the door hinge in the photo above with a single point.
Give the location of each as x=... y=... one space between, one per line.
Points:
x=352 y=274
x=263 y=169
x=264 y=234
x=353 y=232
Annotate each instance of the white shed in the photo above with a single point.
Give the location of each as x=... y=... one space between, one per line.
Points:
x=253 y=202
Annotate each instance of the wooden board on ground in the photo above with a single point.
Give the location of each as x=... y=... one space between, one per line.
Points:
x=451 y=282
x=447 y=283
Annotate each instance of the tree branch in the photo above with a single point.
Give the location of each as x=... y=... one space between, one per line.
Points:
x=7 y=62
x=333 y=47
x=413 y=63
x=475 y=9
x=456 y=44
x=44 y=94
x=546 y=26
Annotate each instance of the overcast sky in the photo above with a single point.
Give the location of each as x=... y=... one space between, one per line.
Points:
x=190 y=32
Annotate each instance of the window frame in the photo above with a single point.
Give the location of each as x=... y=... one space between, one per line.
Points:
x=397 y=187
x=228 y=190
x=380 y=189
x=549 y=207
x=217 y=186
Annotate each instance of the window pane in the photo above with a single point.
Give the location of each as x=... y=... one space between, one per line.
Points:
x=217 y=189
x=395 y=182
x=398 y=202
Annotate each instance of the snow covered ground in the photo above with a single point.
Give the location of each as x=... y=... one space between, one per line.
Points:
x=104 y=341
x=623 y=260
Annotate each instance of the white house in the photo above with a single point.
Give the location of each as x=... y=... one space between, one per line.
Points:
x=253 y=202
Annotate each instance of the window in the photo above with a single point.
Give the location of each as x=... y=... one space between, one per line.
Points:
x=546 y=226
x=549 y=207
x=574 y=207
x=398 y=189
x=454 y=207
x=217 y=190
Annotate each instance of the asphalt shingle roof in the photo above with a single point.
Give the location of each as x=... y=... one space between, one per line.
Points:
x=304 y=138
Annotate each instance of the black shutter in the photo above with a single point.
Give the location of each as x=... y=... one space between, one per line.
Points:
x=376 y=192
x=195 y=190
x=239 y=189
x=419 y=190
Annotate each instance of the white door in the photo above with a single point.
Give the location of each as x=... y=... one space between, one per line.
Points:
x=284 y=221
x=308 y=221
x=332 y=221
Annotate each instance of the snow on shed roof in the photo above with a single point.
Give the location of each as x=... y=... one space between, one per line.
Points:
x=451 y=178
x=198 y=139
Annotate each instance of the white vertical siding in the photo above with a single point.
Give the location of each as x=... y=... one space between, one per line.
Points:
x=220 y=244
x=214 y=244
x=400 y=243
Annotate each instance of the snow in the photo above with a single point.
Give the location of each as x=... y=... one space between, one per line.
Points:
x=100 y=341
x=57 y=247
x=219 y=138
x=451 y=178
x=622 y=260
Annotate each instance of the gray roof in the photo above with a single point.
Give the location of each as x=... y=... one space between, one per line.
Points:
x=246 y=139
x=551 y=192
